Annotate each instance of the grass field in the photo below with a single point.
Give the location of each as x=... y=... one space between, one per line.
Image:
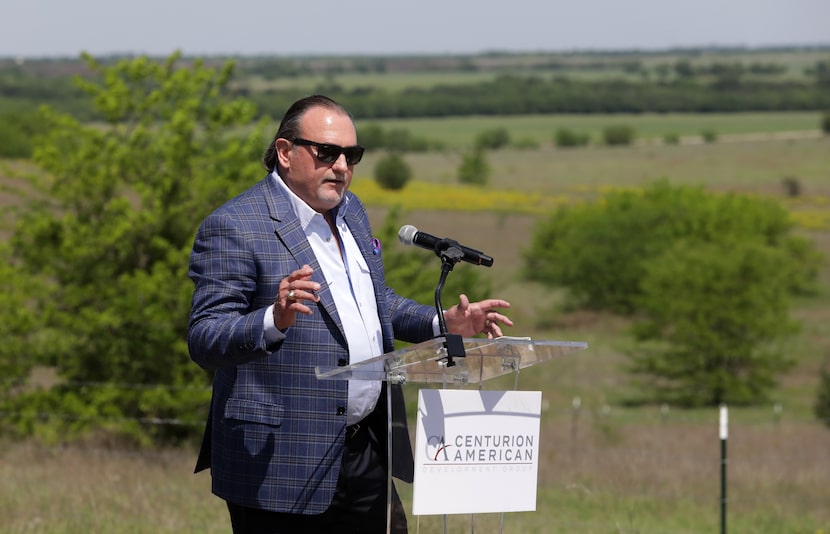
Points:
x=605 y=467
x=459 y=132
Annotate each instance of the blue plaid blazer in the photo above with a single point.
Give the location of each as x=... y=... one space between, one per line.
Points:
x=275 y=434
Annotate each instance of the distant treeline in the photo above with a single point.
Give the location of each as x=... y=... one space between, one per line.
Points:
x=520 y=84
x=512 y=95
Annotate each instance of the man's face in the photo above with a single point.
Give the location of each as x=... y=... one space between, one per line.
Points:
x=321 y=185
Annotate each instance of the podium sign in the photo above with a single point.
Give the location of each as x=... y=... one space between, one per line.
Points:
x=476 y=451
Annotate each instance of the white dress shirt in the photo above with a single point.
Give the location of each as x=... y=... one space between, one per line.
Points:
x=350 y=283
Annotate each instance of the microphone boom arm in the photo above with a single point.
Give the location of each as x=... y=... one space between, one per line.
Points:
x=454 y=343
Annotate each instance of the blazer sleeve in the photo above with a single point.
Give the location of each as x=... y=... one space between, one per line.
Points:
x=226 y=321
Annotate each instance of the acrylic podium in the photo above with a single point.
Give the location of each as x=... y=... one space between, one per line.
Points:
x=452 y=362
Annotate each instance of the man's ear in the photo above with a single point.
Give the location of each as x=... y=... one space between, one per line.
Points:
x=284 y=148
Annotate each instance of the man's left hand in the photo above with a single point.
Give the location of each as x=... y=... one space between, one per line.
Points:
x=468 y=319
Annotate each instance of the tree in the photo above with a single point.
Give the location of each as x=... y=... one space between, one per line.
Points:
x=103 y=248
x=493 y=139
x=474 y=168
x=712 y=321
x=618 y=135
x=392 y=172
x=566 y=138
x=706 y=276
x=609 y=243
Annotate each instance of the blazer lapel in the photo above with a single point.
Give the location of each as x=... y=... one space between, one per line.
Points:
x=288 y=230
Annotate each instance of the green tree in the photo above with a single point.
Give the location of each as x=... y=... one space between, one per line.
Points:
x=17 y=129
x=713 y=316
x=392 y=172
x=707 y=275
x=493 y=139
x=618 y=135
x=825 y=123
x=103 y=247
x=566 y=138
x=474 y=168
x=609 y=243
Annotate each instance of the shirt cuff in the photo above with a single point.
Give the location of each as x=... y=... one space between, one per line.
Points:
x=436 y=330
x=270 y=333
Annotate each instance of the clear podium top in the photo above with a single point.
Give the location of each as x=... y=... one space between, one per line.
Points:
x=428 y=362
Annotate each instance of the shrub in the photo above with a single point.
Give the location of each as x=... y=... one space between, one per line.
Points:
x=709 y=136
x=566 y=138
x=493 y=139
x=706 y=276
x=474 y=168
x=671 y=139
x=17 y=131
x=374 y=137
x=618 y=135
x=392 y=172
x=825 y=123
x=712 y=318
x=599 y=251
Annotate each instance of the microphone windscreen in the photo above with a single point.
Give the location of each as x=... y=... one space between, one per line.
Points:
x=406 y=234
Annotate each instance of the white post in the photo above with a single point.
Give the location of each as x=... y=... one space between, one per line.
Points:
x=724 y=434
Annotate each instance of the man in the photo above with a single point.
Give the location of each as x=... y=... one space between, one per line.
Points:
x=286 y=279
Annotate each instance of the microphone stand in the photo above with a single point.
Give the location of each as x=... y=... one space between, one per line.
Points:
x=450 y=255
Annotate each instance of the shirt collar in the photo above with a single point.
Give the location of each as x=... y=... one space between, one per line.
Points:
x=303 y=211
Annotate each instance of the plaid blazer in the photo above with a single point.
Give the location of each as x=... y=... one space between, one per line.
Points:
x=274 y=436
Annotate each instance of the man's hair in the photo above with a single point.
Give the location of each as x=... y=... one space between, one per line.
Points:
x=290 y=126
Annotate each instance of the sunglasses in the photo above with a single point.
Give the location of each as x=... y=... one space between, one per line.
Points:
x=330 y=153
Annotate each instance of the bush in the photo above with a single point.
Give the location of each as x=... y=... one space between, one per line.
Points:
x=566 y=138
x=706 y=276
x=392 y=172
x=493 y=139
x=709 y=136
x=599 y=251
x=671 y=139
x=374 y=137
x=17 y=131
x=618 y=135
x=825 y=123
x=716 y=312
x=474 y=168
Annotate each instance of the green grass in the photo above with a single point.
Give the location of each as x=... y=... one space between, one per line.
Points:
x=458 y=132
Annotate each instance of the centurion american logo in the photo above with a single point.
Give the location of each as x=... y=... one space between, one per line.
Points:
x=480 y=449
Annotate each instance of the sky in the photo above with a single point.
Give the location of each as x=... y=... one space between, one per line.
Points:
x=60 y=28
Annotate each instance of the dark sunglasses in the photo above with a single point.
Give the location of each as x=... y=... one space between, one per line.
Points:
x=330 y=153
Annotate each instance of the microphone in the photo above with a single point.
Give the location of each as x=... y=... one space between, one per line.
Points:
x=409 y=235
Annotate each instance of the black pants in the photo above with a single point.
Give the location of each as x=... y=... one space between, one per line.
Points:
x=359 y=504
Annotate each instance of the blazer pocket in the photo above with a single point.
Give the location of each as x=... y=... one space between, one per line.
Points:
x=254 y=411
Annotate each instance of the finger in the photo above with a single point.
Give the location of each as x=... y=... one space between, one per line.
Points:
x=496 y=318
x=463 y=303
x=489 y=304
